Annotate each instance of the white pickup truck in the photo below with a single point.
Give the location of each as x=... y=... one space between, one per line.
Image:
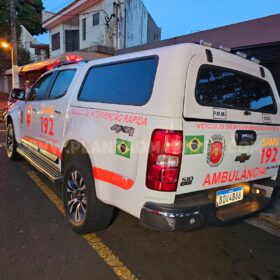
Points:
x=178 y=137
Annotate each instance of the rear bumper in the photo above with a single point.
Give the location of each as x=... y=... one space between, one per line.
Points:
x=194 y=211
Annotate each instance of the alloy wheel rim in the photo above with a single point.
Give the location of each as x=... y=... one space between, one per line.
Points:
x=76 y=197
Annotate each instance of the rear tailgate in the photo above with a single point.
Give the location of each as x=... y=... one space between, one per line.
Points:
x=236 y=141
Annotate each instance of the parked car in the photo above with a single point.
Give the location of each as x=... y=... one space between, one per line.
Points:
x=177 y=136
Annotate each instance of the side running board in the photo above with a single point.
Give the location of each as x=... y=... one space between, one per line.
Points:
x=53 y=174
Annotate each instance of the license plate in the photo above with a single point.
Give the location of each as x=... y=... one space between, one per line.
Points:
x=229 y=196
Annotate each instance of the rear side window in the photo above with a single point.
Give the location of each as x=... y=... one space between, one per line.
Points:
x=62 y=83
x=126 y=83
x=224 y=88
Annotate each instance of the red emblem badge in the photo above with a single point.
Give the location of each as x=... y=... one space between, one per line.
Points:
x=215 y=151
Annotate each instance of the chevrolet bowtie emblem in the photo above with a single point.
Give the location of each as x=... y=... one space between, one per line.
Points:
x=242 y=158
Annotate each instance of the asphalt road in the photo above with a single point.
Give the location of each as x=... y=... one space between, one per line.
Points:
x=37 y=243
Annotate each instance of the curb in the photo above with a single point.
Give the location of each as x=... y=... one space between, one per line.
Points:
x=272 y=216
x=269 y=219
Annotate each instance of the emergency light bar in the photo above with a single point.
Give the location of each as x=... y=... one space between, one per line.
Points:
x=241 y=54
x=225 y=49
x=228 y=50
x=206 y=44
x=253 y=59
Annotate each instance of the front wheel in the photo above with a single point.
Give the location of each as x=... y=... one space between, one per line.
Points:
x=83 y=209
x=11 y=143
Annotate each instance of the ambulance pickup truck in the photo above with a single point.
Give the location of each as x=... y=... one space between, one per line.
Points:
x=178 y=137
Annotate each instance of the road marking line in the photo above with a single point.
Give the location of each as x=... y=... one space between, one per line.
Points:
x=95 y=242
x=45 y=189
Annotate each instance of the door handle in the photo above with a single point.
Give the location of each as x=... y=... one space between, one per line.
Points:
x=34 y=110
x=57 y=112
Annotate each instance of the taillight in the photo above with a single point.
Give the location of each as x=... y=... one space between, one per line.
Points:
x=164 y=160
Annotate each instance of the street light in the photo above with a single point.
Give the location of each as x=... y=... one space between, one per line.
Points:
x=6 y=45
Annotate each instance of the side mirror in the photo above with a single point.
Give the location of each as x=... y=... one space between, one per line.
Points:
x=18 y=94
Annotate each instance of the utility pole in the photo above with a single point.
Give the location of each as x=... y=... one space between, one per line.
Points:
x=125 y=27
x=116 y=8
x=14 y=55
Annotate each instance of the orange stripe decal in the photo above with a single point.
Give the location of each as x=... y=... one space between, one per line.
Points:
x=44 y=146
x=112 y=178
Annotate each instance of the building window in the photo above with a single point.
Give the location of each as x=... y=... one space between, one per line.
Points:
x=37 y=51
x=72 y=40
x=95 y=19
x=84 y=28
x=56 y=41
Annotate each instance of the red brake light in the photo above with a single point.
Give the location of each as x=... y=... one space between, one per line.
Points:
x=173 y=144
x=164 y=160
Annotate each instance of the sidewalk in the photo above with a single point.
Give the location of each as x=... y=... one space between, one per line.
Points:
x=272 y=216
x=269 y=220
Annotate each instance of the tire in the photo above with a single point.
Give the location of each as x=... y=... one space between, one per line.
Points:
x=11 y=143
x=83 y=209
x=276 y=192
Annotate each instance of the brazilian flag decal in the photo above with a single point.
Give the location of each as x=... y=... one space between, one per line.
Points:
x=123 y=148
x=194 y=145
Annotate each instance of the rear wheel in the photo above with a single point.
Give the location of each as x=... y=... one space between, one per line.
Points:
x=83 y=209
x=11 y=143
x=276 y=192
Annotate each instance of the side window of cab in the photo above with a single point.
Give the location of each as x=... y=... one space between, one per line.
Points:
x=41 y=88
x=62 y=83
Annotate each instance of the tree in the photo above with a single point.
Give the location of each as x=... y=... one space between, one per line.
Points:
x=29 y=14
x=5 y=18
x=5 y=61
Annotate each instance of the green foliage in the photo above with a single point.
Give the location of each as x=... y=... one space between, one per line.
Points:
x=23 y=56
x=5 y=19
x=30 y=15
x=5 y=61
x=5 y=58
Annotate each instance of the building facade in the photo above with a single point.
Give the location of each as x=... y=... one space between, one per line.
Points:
x=110 y=23
x=36 y=50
